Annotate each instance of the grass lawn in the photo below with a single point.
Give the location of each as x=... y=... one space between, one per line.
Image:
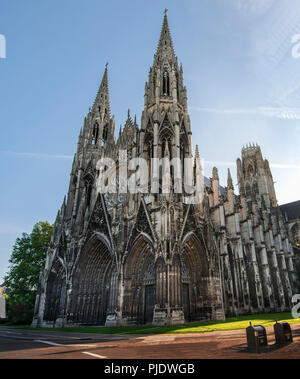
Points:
x=233 y=323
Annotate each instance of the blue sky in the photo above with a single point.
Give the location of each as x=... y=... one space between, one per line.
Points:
x=242 y=80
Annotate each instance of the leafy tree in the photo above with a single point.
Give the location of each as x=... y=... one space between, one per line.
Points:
x=26 y=262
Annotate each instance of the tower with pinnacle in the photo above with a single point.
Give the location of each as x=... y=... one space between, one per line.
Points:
x=153 y=256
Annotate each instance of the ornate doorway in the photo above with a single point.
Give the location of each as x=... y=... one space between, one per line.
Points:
x=91 y=284
x=139 y=283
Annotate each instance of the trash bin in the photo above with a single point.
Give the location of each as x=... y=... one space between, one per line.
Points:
x=256 y=337
x=283 y=333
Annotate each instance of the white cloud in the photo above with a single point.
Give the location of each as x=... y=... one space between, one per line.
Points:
x=281 y=113
x=37 y=155
x=254 y=6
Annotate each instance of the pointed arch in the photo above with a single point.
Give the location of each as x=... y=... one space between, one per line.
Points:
x=142 y=227
x=184 y=143
x=166 y=136
x=55 y=291
x=88 y=177
x=138 y=275
x=166 y=129
x=250 y=168
x=195 y=278
x=91 y=282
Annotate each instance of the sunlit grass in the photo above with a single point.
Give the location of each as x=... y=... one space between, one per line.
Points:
x=233 y=323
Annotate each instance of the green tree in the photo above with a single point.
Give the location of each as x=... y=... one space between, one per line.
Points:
x=26 y=262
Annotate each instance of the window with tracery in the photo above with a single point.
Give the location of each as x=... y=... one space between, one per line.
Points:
x=95 y=133
x=166 y=84
x=105 y=133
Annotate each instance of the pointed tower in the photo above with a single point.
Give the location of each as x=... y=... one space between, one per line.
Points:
x=165 y=136
x=96 y=133
x=99 y=127
x=165 y=121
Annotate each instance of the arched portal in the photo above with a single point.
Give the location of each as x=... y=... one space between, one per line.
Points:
x=139 y=282
x=195 y=297
x=55 y=292
x=91 y=283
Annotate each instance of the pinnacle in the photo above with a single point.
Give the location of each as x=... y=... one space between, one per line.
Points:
x=196 y=152
x=129 y=122
x=102 y=102
x=165 y=40
x=229 y=180
x=215 y=173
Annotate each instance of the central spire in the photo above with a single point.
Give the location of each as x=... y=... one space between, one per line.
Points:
x=165 y=46
x=165 y=79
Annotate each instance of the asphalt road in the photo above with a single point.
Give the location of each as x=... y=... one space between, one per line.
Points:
x=25 y=344
x=16 y=343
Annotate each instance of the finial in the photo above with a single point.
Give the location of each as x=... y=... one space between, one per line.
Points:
x=165 y=11
x=106 y=64
x=196 y=152
x=215 y=173
x=229 y=179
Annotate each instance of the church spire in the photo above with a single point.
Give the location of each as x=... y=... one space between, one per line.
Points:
x=165 y=45
x=101 y=104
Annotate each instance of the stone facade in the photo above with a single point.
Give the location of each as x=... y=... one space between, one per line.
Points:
x=125 y=258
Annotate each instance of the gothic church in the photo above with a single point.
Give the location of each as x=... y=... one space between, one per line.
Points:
x=134 y=258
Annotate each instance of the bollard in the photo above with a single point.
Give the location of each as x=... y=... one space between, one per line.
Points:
x=256 y=337
x=283 y=333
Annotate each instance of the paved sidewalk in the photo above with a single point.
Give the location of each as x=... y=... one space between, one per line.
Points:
x=58 y=345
